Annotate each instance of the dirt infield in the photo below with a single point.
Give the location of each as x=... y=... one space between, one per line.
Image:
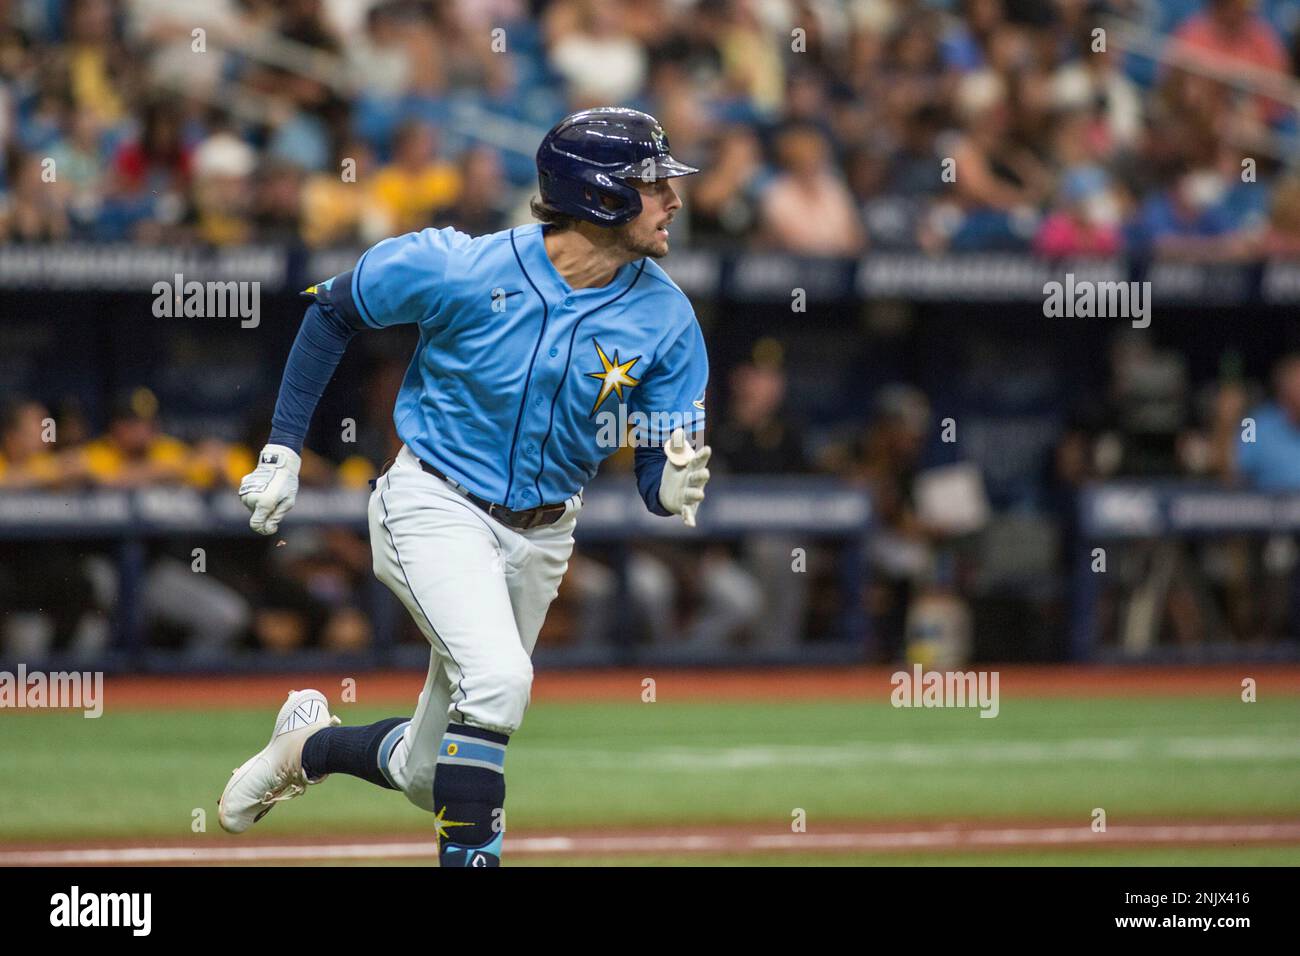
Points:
x=385 y=687
x=921 y=837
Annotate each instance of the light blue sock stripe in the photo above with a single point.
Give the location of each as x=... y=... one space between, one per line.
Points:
x=386 y=750
x=454 y=737
x=471 y=750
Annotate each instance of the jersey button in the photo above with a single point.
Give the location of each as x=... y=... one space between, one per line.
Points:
x=554 y=352
x=531 y=449
x=568 y=300
x=537 y=401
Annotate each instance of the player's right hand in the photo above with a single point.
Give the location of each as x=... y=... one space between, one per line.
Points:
x=270 y=491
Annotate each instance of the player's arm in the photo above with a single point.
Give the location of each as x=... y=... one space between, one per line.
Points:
x=270 y=490
x=671 y=462
x=394 y=283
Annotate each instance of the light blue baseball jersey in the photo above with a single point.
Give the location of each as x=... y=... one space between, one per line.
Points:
x=515 y=387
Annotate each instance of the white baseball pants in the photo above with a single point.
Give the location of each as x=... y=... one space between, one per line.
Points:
x=479 y=592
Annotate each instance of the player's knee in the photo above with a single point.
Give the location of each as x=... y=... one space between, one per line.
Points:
x=515 y=685
x=503 y=699
x=519 y=678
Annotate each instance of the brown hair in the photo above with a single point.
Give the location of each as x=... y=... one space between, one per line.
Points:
x=549 y=215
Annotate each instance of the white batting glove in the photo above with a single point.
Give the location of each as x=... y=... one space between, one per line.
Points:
x=681 y=489
x=270 y=491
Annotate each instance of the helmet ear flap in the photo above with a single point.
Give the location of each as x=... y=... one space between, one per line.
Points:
x=608 y=201
x=598 y=199
x=626 y=202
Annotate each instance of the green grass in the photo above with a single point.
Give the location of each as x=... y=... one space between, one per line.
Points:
x=587 y=765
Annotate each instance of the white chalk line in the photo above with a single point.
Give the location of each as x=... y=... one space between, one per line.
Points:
x=704 y=759
x=686 y=842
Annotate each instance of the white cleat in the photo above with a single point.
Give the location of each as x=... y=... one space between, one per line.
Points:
x=275 y=773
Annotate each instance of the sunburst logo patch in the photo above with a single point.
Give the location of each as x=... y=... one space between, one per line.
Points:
x=614 y=376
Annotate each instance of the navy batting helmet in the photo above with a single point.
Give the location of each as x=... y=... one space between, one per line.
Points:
x=588 y=156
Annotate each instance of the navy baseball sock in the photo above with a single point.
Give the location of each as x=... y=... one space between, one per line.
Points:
x=351 y=750
x=469 y=793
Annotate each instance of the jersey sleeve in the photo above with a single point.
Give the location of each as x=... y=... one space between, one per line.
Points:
x=396 y=282
x=317 y=350
x=671 y=395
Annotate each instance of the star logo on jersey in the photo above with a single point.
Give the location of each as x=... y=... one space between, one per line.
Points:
x=442 y=824
x=613 y=376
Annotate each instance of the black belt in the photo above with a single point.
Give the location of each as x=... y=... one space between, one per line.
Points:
x=537 y=517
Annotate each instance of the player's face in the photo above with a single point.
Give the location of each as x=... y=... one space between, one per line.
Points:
x=647 y=234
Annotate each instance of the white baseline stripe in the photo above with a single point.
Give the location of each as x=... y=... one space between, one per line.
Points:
x=1143 y=748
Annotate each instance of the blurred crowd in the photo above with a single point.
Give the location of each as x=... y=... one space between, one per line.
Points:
x=824 y=127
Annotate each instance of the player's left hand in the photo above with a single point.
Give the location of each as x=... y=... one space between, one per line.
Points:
x=681 y=489
x=270 y=491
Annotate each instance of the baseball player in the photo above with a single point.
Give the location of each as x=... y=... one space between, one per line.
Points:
x=529 y=339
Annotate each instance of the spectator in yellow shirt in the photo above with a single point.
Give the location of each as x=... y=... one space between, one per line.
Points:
x=416 y=184
x=28 y=456
x=134 y=453
x=339 y=204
